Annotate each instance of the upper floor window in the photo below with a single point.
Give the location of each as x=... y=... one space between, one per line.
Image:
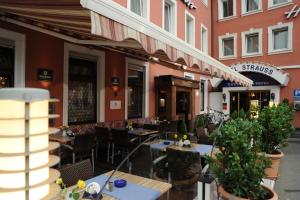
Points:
x=139 y=7
x=227 y=8
x=169 y=22
x=252 y=42
x=204 y=39
x=189 y=28
x=188 y=75
x=227 y=46
x=278 y=3
x=249 y=6
x=280 y=38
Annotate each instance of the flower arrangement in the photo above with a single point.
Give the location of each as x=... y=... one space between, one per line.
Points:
x=74 y=194
x=64 y=128
x=129 y=125
x=182 y=141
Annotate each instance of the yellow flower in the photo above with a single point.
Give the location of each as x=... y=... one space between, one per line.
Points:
x=184 y=137
x=175 y=136
x=59 y=181
x=81 y=184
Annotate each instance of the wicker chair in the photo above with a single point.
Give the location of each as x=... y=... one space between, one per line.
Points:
x=73 y=172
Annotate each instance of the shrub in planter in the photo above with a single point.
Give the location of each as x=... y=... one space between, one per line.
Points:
x=237 y=166
x=277 y=128
x=200 y=130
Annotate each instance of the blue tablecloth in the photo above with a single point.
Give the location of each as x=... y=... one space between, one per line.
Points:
x=202 y=149
x=161 y=145
x=130 y=192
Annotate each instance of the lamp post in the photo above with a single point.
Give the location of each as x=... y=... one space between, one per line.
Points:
x=24 y=146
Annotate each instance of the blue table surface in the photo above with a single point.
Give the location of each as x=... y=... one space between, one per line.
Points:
x=130 y=192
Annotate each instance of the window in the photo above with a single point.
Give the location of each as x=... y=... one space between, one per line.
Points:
x=279 y=3
x=7 y=58
x=188 y=75
x=82 y=95
x=139 y=7
x=203 y=95
x=169 y=22
x=280 y=38
x=227 y=8
x=135 y=92
x=252 y=42
x=204 y=39
x=227 y=46
x=250 y=6
x=189 y=29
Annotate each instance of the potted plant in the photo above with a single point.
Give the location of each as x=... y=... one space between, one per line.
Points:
x=277 y=127
x=200 y=129
x=238 y=167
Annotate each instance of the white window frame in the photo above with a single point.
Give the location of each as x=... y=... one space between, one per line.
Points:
x=271 y=4
x=202 y=41
x=145 y=66
x=146 y=10
x=221 y=53
x=205 y=94
x=221 y=13
x=19 y=60
x=245 y=45
x=71 y=49
x=271 y=50
x=174 y=16
x=189 y=75
x=187 y=14
x=244 y=8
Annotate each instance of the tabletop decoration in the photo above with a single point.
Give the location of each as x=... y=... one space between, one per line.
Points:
x=129 y=125
x=92 y=191
x=119 y=183
x=64 y=130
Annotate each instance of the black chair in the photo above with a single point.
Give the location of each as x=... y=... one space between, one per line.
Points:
x=153 y=127
x=103 y=135
x=121 y=141
x=73 y=172
x=82 y=147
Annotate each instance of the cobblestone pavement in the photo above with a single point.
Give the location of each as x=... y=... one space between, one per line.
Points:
x=288 y=184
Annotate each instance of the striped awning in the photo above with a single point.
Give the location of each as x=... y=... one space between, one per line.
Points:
x=70 y=18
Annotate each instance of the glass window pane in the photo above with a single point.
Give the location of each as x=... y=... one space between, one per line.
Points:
x=167 y=16
x=135 y=93
x=189 y=29
x=7 y=59
x=279 y=1
x=252 y=43
x=204 y=41
x=252 y=5
x=280 y=38
x=202 y=94
x=227 y=8
x=136 y=6
x=228 y=46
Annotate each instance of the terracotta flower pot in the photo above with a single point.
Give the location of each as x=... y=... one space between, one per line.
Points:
x=227 y=196
x=272 y=172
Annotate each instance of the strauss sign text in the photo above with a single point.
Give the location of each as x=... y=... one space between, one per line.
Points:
x=189 y=4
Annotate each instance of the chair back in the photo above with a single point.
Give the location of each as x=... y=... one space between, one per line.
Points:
x=72 y=173
x=120 y=136
x=103 y=134
x=153 y=127
x=183 y=164
x=173 y=126
x=84 y=143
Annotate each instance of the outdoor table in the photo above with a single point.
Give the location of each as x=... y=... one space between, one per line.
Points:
x=140 y=132
x=137 y=187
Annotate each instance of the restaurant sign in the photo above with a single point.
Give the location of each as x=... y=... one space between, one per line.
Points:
x=264 y=69
x=294 y=12
x=44 y=75
x=189 y=4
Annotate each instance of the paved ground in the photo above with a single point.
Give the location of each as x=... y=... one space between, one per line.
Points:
x=288 y=185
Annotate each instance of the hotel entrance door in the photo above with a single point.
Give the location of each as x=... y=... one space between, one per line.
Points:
x=246 y=99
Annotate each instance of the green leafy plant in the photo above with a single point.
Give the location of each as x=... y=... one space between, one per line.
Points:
x=237 y=166
x=183 y=129
x=277 y=127
x=201 y=121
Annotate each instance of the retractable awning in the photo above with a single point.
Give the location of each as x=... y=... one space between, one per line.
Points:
x=106 y=23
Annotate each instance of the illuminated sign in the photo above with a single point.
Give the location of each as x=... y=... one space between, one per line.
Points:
x=189 y=4
x=294 y=12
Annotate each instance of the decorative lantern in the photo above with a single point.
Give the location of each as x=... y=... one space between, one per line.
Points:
x=24 y=146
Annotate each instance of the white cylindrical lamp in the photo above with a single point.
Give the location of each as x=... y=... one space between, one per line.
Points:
x=25 y=172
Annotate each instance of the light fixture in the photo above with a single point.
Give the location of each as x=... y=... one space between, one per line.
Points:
x=272 y=96
x=115 y=82
x=224 y=97
x=24 y=146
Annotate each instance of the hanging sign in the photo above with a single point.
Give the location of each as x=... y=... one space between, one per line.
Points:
x=295 y=11
x=189 y=4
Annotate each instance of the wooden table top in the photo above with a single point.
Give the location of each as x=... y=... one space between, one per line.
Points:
x=61 y=139
x=142 y=132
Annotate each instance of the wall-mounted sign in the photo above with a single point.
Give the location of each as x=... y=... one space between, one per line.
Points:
x=44 y=75
x=115 y=105
x=268 y=70
x=297 y=94
x=295 y=11
x=189 y=4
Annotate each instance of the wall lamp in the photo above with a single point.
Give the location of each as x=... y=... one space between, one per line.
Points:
x=272 y=96
x=224 y=97
x=115 y=82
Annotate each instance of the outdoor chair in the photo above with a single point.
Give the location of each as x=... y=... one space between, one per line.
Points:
x=83 y=147
x=180 y=168
x=73 y=172
x=103 y=135
x=121 y=142
x=153 y=127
